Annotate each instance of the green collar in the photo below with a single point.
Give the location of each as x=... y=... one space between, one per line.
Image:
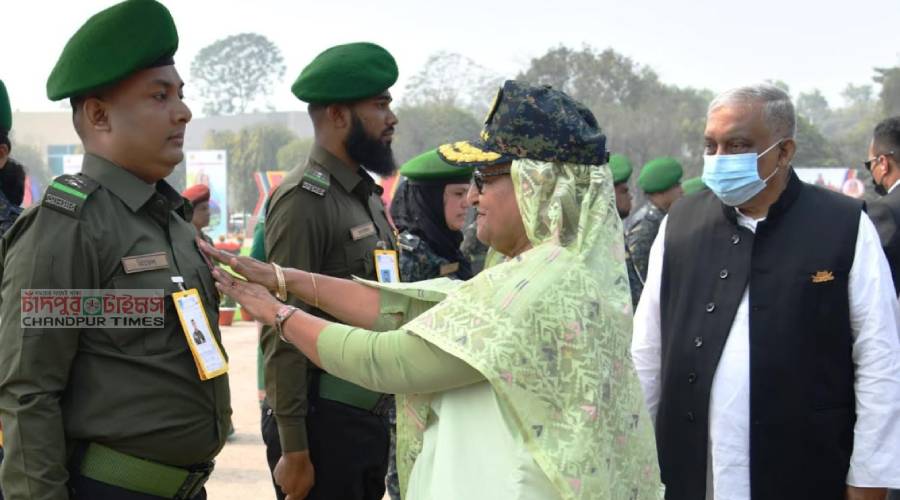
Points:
x=125 y=185
x=347 y=178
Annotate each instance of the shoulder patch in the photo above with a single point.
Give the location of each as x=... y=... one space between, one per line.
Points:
x=315 y=181
x=68 y=193
x=408 y=242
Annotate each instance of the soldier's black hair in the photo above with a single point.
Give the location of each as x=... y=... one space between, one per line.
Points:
x=4 y=139
x=887 y=137
x=12 y=182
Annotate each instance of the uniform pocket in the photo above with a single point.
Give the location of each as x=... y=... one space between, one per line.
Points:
x=358 y=257
x=145 y=340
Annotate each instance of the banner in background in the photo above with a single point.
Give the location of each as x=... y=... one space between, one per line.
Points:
x=210 y=167
x=266 y=182
x=841 y=180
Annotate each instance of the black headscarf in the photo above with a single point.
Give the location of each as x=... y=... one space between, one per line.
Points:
x=418 y=207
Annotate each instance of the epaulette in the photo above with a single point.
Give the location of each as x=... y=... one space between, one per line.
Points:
x=68 y=193
x=316 y=181
x=408 y=242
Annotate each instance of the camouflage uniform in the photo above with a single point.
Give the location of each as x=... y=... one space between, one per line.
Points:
x=473 y=249
x=8 y=213
x=639 y=235
x=418 y=262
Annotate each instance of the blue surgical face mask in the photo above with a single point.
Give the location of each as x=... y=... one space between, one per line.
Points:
x=735 y=178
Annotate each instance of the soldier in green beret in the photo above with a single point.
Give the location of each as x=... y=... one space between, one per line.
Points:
x=12 y=173
x=94 y=406
x=660 y=180
x=327 y=217
x=621 y=170
x=693 y=185
x=429 y=211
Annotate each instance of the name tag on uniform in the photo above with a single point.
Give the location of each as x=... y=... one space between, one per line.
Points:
x=362 y=231
x=449 y=268
x=146 y=262
x=387 y=267
x=208 y=356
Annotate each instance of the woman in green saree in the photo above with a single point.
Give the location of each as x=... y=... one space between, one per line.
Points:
x=516 y=384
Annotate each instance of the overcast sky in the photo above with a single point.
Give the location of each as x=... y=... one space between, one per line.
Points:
x=699 y=43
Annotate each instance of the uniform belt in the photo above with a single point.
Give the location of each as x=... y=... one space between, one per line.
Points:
x=143 y=476
x=335 y=389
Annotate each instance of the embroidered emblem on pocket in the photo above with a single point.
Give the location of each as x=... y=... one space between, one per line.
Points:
x=822 y=277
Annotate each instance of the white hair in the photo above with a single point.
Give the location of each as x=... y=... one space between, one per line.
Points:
x=778 y=110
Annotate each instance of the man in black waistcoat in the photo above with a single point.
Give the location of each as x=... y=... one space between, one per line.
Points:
x=884 y=165
x=766 y=339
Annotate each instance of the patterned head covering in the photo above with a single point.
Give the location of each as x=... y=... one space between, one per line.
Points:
x=537 y=122
x=550 y=330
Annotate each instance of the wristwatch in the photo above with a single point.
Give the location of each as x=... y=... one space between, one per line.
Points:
x=284 y=312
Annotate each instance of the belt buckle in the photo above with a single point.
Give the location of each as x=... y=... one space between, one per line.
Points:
x=194 y=482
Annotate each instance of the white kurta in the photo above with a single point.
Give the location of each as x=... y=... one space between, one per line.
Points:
x=874 y=320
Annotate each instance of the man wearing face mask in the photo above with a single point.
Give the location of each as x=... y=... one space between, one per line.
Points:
x=766 y=338
x=327 y=217
x=884 y=166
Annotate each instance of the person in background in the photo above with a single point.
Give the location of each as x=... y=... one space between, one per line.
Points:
x=198 y=195
x=429 y=211
x=766 y=337
x=621 y=170
x=660 y=180
x=884 y=164
x=693 y=185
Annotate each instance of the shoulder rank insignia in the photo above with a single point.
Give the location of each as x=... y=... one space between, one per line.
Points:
x=408 y=242
x=822 y=277
x=68 y=193
x=315 y=181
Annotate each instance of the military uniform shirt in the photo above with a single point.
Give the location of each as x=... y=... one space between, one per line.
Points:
x=8 y=213
x=638 y=239
x=135 y=390
x=419 y=262
x=323 y=218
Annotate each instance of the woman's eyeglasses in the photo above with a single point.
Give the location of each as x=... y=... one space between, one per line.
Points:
x=478 y=177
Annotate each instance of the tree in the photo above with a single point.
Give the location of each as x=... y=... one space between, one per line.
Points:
x=253 y=149
x=236 y=72
x=889 y=78
x=450 y=79
x=813 y=106
x=33 y=161
x=294 y=153
x=425 y=127
x=813 y=149
x=641 y=117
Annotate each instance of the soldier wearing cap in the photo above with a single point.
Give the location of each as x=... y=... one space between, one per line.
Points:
x=100 y=412
x=660 y=180
x=198 y=195
x=621 y=170
x=693 y=185
x=12 y=174
x=327 y=217
x=429 y=210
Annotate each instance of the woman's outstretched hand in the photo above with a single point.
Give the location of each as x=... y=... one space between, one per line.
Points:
x=248 y=267
x=252 y=297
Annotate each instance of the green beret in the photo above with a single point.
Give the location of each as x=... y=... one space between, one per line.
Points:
x=346 y=73
x=114 y=43
x=660 y=174
x=693 y=185
x=5 y=109
x=621 y=168
x=429 y=166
